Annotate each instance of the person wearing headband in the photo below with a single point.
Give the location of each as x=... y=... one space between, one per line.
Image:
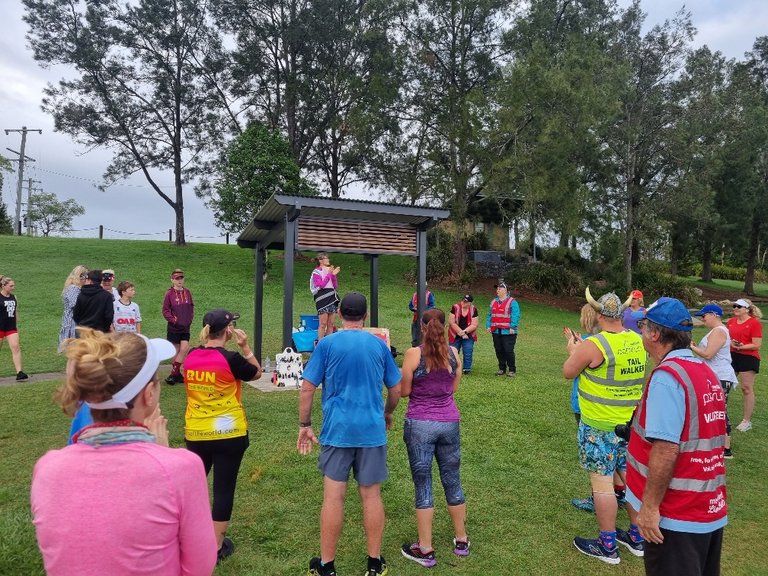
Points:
x=119 y=493
x=216 y=428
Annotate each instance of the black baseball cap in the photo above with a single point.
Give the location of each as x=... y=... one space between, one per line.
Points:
x=219 y=319
x=468 y=298
x=353 y=305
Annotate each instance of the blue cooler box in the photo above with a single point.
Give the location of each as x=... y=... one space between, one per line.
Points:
x=305 y=341
x=311 y=321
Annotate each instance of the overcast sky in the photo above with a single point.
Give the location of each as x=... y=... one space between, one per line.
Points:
x=136 y=211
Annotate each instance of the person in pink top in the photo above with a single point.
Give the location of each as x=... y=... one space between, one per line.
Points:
x=119 y=501
x=323 y=284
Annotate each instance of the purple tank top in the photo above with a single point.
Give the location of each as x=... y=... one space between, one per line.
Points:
x=432 y=394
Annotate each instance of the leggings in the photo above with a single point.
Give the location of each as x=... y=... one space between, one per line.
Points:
x=424 y=440
x=224 y=456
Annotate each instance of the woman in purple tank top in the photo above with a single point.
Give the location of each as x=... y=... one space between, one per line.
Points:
x=430 y=378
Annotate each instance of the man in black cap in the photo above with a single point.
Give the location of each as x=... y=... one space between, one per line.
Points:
x=94 y=306
x=351 y=365
x=462 y=329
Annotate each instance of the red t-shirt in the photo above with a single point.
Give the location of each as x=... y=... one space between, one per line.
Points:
x=744 y=332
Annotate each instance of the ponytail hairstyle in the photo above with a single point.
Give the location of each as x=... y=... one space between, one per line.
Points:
x=588 y=319
x=434 y=343
x=100 y=365
x=754 y=311
x=206 y=334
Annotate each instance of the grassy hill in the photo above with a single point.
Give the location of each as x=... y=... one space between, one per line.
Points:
x=519 y=456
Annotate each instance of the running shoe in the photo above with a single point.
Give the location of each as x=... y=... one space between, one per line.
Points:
x=460 y=547
x=745 y=426
x=383 y=571
x=226 y=550
x=317 y=569
x=595 y=549
x=414 y=552
x=500 y=373
x=21 y=376
x=635 y=547
x=728 y=454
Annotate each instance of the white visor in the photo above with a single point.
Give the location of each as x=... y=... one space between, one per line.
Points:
x=158 y=349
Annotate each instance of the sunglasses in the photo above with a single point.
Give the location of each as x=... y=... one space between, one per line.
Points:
x=641 y=323
x=738 y=306
x=107 y=276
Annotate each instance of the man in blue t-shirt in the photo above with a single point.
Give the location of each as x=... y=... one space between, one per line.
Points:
x=351 y=365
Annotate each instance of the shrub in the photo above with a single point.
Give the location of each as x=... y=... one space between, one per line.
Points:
x=478 y=241
x=550 y=279
x=655 y=285
x=561 y=256
x=731 y=273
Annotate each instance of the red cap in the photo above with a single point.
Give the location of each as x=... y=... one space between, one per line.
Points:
x=637 y=294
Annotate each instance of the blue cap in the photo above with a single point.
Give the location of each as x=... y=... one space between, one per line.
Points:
x=667 y=312
x=713 y=308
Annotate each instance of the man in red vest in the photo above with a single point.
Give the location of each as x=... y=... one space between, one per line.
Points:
x=675 y=467
x=429 y=303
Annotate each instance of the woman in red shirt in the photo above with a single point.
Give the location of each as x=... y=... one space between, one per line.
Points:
x=746 y=338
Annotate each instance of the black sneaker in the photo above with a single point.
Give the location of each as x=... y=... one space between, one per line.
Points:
x=170 y=380
x=383 y=571
x=635 y=547
x=226 y=550
x=596 y=549
x=317 y=569
x=414 y=552
x=727 y=453
x=21 y=376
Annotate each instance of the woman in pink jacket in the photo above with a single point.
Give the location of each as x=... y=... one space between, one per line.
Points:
x=118 y=500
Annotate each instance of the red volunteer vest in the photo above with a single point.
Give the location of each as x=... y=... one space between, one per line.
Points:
x=697 y=490
x=500 y=314
x=456 y=310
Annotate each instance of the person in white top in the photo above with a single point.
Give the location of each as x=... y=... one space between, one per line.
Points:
x=715 y=350
x=127 y=313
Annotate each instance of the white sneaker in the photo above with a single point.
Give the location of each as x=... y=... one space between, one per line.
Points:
x=745 y=426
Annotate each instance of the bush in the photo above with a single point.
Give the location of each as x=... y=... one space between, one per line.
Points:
x=655 y=284
x=561 y=256
x=478 y=241
x=731 y=273
x=550 y=279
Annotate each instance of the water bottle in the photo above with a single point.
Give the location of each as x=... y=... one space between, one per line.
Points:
x=267 y=364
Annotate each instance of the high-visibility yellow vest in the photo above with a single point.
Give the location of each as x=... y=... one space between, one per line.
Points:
x=609 y=393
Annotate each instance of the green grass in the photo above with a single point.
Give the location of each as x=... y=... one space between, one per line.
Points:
x=729 y=285
x=519 y=457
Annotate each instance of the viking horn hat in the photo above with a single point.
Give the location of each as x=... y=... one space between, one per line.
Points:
x=609 y=304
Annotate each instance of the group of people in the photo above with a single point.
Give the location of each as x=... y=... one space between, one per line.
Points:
x=676 y=503
x=658 y=446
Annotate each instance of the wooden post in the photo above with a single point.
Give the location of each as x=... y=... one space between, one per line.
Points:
x=101 y=232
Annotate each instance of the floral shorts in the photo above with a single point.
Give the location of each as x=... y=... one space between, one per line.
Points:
x=600 y=451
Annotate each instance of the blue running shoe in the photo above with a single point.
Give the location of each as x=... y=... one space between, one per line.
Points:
x=636 y=548
x=595 y=549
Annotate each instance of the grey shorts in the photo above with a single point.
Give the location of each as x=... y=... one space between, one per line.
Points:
x=369 y=465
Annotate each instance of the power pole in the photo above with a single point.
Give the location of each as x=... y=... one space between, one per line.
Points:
x=23 y=130
x=29 y=203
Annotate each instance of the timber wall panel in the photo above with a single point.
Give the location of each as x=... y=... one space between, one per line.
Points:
x=361 y=236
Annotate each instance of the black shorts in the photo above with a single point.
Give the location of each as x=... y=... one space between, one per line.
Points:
x=177 y=337
x=744 y=363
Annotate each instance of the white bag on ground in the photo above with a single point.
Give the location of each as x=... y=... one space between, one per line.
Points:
x=288 y=369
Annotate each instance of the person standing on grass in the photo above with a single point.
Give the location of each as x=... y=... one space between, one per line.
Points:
x=127 y=313
x=119 y=501
x=462 y=329
x=611 y=370
x=502 y=323
x=178 y=311
x=8 y=327
x=676 y=471
x=93 y=308
x=429 y=303
x=215 y=426
x=746 y=338
x=69 y=295
x=714 y=349
x=351 y=365
x=323 y=284
x=431 y=431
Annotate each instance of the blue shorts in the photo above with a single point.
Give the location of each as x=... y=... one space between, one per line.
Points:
x=369 y=465
x=600 y=451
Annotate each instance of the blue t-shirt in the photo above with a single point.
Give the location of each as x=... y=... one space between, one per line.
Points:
x=664 y=420
x=352 y=365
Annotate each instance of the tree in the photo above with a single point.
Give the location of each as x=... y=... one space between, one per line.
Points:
x=147 y=85
x=51 y=215
x=256 y=164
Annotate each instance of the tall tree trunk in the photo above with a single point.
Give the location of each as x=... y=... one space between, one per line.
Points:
x=754 y=240
x=629 y=234
x=532 y=234
x=706 y=258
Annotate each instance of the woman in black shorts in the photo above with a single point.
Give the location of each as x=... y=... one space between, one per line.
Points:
x=8 y=329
